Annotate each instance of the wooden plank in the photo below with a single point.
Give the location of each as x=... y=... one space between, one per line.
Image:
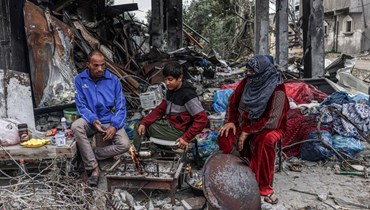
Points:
x=192 y=39
x=44 y=152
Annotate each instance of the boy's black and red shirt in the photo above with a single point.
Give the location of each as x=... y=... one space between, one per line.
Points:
x=182 y=109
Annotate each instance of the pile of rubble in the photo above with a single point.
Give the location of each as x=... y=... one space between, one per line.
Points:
x=69 y=37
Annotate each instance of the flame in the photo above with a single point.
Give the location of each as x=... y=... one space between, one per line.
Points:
x=135 y=158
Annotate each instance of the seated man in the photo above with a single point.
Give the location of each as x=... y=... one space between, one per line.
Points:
x=184 y=116
x=101 y=105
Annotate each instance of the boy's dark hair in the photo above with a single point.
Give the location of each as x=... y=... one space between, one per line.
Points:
x=173 y=69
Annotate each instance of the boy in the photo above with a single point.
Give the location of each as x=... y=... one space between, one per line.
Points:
x=184 y=116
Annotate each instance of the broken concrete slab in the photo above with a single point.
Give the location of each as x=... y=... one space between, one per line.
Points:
x=16 y=100
x=194 y=203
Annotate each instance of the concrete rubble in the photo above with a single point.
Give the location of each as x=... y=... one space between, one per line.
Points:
x=333 y=182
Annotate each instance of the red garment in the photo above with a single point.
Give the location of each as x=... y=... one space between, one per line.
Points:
x=294 y=122
x=303 y=93
x=298 y=128
x=262 y=134
x=183 y=110
x=230 y=86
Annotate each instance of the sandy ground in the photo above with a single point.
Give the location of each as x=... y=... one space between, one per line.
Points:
x=315 y=187
x=321 y=187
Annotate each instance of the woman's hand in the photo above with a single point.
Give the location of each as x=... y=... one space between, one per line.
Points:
x=141 y=129
x=226 y=128
x=243 y=136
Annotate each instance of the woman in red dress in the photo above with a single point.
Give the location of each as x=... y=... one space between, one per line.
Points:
x=256 y=114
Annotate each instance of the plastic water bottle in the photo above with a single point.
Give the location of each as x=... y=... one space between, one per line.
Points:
x=63 y=122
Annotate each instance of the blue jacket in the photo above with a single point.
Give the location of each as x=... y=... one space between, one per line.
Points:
x=102 y=100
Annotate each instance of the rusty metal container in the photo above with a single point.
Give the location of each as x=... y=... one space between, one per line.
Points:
x=229 y=184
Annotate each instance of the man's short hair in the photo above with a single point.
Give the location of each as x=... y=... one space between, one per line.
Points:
x=94 y=52
x=173 y=69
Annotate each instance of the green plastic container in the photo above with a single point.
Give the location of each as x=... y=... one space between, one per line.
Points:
x=70 y=114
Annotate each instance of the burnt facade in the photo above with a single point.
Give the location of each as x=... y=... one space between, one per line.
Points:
x=15 y=89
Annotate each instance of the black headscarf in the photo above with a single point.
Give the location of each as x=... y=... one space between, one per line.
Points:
x=260 y=85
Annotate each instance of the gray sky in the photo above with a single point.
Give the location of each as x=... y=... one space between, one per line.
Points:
x=144 y=6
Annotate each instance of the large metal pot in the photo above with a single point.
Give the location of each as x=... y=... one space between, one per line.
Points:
x=229 y=184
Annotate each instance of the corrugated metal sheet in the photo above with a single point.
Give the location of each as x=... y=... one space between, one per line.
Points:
x=50 y=44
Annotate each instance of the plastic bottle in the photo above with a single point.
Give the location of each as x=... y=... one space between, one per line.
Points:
x=63 y=122
x=22 y=170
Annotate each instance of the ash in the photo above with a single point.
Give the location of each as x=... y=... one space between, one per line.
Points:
x=148 y=169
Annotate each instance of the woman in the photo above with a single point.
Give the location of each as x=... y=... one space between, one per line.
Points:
x=257 y=114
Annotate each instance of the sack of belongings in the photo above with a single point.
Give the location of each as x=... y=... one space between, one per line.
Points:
x=8 y=133
x=314 y=150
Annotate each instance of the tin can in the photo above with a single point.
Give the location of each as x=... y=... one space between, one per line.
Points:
x=23 y=132
x=60 y=139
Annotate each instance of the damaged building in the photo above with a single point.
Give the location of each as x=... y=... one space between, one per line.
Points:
x=45 y=44
x=346 y=26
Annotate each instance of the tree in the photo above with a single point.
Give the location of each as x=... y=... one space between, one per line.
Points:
x=228 y=24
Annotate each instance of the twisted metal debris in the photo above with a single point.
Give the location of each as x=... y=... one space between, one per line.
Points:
x=51 y=188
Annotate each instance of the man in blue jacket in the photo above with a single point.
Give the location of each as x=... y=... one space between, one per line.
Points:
x=102 y=106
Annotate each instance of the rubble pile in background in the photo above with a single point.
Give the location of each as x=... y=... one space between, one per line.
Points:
x=125 y=45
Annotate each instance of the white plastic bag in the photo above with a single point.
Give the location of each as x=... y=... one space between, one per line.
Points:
x=8 y=132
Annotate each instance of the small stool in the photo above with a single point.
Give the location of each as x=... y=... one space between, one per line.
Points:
x=279 y=153
x=173 y=143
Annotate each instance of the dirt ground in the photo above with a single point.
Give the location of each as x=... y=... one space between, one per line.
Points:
x=315 y=187
x=321 y=188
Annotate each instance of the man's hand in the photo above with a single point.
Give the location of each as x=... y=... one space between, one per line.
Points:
x=182 y=143
x=141 y=129
x=226 y=128
x=97 y=125
x=243 y=136
x=110 y=132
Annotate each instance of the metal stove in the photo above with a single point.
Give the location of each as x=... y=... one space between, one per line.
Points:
x=152 y=173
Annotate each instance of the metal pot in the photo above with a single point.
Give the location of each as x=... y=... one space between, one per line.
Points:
x=229 y=184
x=145 y=154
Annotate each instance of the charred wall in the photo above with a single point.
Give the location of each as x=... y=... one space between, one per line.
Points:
x=13 y=53
x=15 y=89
